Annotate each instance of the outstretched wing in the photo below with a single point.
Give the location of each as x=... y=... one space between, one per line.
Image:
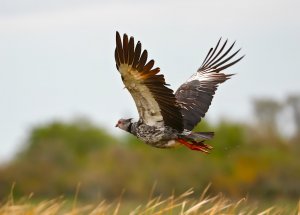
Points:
x=155 y=102
x=196 y=94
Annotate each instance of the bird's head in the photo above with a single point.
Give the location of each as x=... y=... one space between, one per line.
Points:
x=124 y=124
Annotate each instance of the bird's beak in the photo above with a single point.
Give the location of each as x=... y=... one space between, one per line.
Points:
x=116 y=125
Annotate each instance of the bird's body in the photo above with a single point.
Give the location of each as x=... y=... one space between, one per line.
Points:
x=160 y=137
x=167 y=119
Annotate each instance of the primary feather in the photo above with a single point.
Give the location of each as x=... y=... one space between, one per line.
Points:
x=156 y=103
x=196 y=94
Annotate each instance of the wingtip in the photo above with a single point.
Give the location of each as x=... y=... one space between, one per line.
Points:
x=118 y=37
x=124 y=35
x=240 y=57
x=228 y=76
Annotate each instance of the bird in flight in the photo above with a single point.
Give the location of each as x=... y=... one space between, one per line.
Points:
x=167 y=119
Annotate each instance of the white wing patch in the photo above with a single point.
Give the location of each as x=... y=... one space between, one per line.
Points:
x=199 y=76
x=156 y=103
x=147 y=106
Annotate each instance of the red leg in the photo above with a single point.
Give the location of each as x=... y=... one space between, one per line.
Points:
x=197 y=147
x=202 y=144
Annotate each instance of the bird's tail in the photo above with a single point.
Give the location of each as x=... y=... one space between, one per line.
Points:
x=201 y=135
x=195 y=141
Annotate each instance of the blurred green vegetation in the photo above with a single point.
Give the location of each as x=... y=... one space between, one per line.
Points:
x=245 y=161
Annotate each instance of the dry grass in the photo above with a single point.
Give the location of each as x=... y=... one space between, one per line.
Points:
x=182 y=204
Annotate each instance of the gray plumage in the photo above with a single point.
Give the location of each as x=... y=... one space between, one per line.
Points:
x=167 y=119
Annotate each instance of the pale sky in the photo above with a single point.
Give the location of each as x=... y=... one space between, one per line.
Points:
x=57 y=62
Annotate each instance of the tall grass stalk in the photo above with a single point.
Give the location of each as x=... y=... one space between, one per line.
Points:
x=184 y=204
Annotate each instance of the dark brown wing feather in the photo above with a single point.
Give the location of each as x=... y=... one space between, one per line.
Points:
x=156 y=103
x=196 y=94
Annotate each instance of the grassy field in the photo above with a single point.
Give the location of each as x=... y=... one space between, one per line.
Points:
x=90 y=168
x=181 y=204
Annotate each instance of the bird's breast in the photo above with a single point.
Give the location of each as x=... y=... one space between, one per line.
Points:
x=161 y=137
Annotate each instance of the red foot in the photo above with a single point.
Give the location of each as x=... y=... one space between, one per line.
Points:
x=202 y=144
x=197 y=146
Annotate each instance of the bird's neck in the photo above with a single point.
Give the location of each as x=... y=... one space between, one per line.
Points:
x=129 y=128
x=132 y=128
